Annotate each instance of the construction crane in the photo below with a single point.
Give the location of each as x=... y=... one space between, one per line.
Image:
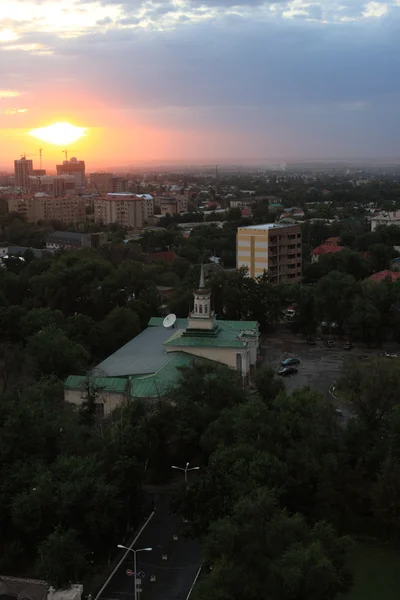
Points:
x=40 y=154
x=65 y=151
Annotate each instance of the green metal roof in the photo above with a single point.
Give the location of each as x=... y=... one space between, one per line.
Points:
x=182 y=324
x=106 y=384
x=226 y=339
x=158 y=384
x=158 y=322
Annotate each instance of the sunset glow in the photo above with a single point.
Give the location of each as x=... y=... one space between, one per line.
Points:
x=59 y=134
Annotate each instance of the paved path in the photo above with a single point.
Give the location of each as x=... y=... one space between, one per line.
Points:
x=174 y=575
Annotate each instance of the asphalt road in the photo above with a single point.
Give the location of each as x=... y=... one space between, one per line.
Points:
x=173 y=562
x=319 y=366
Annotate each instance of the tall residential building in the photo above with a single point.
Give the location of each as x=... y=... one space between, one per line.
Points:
x=53 y=186
x=73 y=167
x=23 y=169
x=118 y=184
x=125 y=209
x=274 y=248
x=45 y=208
x=147 y=207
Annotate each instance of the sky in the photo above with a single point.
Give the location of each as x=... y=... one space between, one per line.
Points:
x=206 y=81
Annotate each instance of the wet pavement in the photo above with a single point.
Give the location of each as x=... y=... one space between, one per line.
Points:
x=319 y=366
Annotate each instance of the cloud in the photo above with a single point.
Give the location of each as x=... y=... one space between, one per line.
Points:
x=8 y=94
x=302 y=74
x=15 y=111
x=375 y=10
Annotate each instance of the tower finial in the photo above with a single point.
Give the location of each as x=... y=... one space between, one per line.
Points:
x=202 y=282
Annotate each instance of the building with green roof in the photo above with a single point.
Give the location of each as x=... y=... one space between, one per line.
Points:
x=149 y=366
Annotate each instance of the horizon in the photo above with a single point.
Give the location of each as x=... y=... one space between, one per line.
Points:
x=189 y=81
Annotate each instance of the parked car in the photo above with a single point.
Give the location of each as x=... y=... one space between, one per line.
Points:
x=339 y=412
x=331 y=343
x=348 y=346
x=285 y=371
x=311 y=341
x=289 y=362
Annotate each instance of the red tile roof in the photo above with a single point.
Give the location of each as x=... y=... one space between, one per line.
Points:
x=168 y=256
x=332 y=240
x=383 y=275
x=326 y=249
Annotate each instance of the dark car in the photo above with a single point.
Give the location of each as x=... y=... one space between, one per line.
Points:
x=285 y=371
x=348 y=346
x=289 y=362
x=331 y=343
x=311 y=341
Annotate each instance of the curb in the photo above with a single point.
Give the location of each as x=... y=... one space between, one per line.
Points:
x=332 y=393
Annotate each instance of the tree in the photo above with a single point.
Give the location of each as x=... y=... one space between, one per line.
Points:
x=267 y=383
x=53 y=353
x=40 y=318
x=335 y=294
x=261 y=547
x=119 y=327
x=61 y=558
x=373 y=388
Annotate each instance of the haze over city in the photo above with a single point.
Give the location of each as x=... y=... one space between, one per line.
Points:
x=201 y=80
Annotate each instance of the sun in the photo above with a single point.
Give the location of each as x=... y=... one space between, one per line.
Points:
x=59 y=134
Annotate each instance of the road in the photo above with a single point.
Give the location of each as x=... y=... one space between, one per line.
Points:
x=319 y=366
x=173 y=562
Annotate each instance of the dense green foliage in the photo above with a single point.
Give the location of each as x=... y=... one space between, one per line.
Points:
x=281 y=483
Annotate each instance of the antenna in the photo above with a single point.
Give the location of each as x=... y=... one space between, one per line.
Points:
x=40 y=154
x=66 y=153
x=169 y=320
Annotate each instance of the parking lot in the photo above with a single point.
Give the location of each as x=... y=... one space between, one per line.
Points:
x=319 y=366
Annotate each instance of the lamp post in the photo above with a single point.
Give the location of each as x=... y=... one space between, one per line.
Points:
x=185 y=469
x=134 y=561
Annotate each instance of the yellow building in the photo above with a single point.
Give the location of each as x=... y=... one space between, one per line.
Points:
x=273 y=248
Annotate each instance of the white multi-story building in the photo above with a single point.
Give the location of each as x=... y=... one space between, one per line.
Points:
x=125 y=209
x=386 y=218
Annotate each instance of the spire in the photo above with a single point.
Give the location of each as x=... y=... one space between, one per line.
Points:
x=202 y=283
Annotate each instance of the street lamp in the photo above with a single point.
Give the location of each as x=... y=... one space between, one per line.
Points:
x=134 y=561
x=185 y=469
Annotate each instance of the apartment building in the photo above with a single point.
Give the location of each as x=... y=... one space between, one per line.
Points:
x=272 y=247
x=53 y=186
x=172 y=205
x=45 y=208
x=75 y=168
x=169 y=206
x=23 y=169
x=147 y=207
x=125 y=209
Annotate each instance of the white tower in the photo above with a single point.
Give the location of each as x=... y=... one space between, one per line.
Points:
x=202 y=317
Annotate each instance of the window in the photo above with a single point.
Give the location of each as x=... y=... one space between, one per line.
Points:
x=299 y=264
x=291 y=236
x=206 y=308
x=200 y=309
x=299 y=245
x=195 y=308
x=299 y=235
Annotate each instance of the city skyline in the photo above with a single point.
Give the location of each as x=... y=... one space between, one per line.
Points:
x=201 y=81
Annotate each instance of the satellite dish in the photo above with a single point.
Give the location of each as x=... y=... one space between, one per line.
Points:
x=169 y=320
